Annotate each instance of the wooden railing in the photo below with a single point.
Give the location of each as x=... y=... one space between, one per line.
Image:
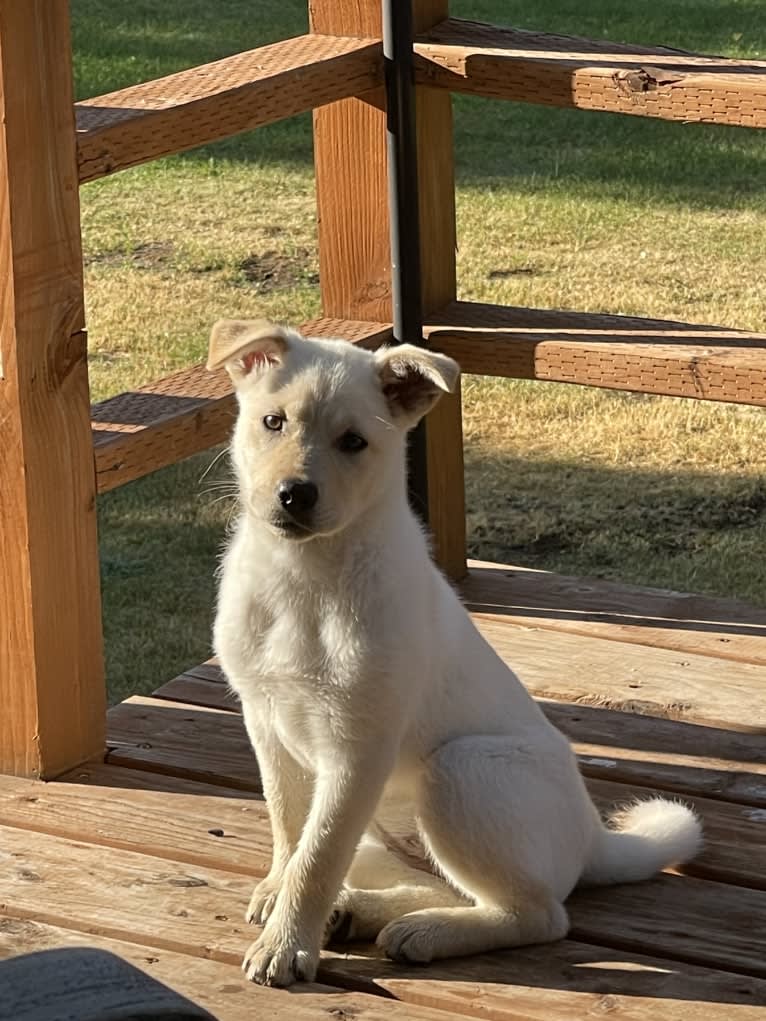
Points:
x=57 y=453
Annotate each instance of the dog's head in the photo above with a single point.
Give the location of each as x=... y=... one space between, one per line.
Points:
x=321 y=427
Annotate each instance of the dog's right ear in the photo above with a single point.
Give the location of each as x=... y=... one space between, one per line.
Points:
x=247 y=347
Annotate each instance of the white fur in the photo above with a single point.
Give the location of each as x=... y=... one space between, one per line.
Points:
x=372 y=701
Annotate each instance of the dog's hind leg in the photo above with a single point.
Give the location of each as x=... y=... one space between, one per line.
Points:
x=380 y=887
x=506 y=822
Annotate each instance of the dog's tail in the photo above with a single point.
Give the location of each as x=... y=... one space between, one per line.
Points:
x=641 y=840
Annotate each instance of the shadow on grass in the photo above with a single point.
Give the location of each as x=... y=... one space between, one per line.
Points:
x=676 y=529
x=498 y=144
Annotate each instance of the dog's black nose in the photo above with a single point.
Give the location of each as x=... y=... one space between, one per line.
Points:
x=297 y=497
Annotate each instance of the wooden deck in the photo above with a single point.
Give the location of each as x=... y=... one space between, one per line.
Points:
x=153 y=854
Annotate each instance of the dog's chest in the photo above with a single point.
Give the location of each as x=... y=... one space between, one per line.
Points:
x=309 y=642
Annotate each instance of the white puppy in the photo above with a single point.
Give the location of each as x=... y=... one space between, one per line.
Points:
x=369 y=695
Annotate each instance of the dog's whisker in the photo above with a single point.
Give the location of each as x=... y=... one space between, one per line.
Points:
x=213 y=463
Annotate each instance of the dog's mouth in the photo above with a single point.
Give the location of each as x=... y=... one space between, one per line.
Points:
x=290 y=528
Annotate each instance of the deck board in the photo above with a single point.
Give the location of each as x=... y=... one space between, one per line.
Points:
x=612 y=744
x=197 y=911
x=209 y=745
x=175 y=819
x=563 y=982
x=221 y=988
x=158 y=848
x=681 y=621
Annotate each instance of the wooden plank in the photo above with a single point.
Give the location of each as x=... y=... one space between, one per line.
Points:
x=612 y=744
x=665 y=754
x=531 y=67
x=122 y=895
x=652 y=681
x=723 y=628
x=214 y=101
x=202 y=744
x=221 y=988
x=638 y=757
x=684 y=918
x=164 y=816
x=51 y=666
x=193 y=690
x=562 y=981
x=616 y=352
x=202 y=824
x=354 y=247
x=151 y=427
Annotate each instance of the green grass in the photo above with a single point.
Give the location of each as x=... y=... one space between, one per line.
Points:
x=556 y=208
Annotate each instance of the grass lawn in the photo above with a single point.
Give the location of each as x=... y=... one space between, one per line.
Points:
x=556 y=208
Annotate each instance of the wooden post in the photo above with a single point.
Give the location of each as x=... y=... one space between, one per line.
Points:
x=52 y=698
x=354 y=251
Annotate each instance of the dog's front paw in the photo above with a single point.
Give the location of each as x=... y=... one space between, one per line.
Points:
x=280 y=960
x=409 y=940
x=263 y=900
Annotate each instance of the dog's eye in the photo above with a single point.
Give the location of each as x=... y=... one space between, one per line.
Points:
x=351 y=443
x=274 y=422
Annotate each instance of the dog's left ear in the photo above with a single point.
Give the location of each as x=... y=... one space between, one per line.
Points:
x=246 y=347
x=413 y=379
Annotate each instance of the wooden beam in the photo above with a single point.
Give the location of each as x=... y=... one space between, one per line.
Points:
x=204 y=104
x=531 y=67
x=51 y=670
x=138 y=432
x=617 y=352
x=354 y=250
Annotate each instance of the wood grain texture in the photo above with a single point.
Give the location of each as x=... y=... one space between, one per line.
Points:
x=686 y=758
x=221 y=988
x=624 y=731
x=354 y=242
x=138 y=432
x=202 y=744
x=617 y=352
x=51 y=668
x=702 y=625
x=653 y=681
x=229 y=829
x=530 y=67
x=565 y=981
x=629 y=744
x=204 y=104
x=197 y=911
x=165 y=816
x=734 y=833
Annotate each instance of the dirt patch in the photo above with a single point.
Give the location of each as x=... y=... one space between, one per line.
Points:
x=272 y=271
x=147 y=255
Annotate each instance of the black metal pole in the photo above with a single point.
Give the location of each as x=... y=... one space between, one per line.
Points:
x=404 y=213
